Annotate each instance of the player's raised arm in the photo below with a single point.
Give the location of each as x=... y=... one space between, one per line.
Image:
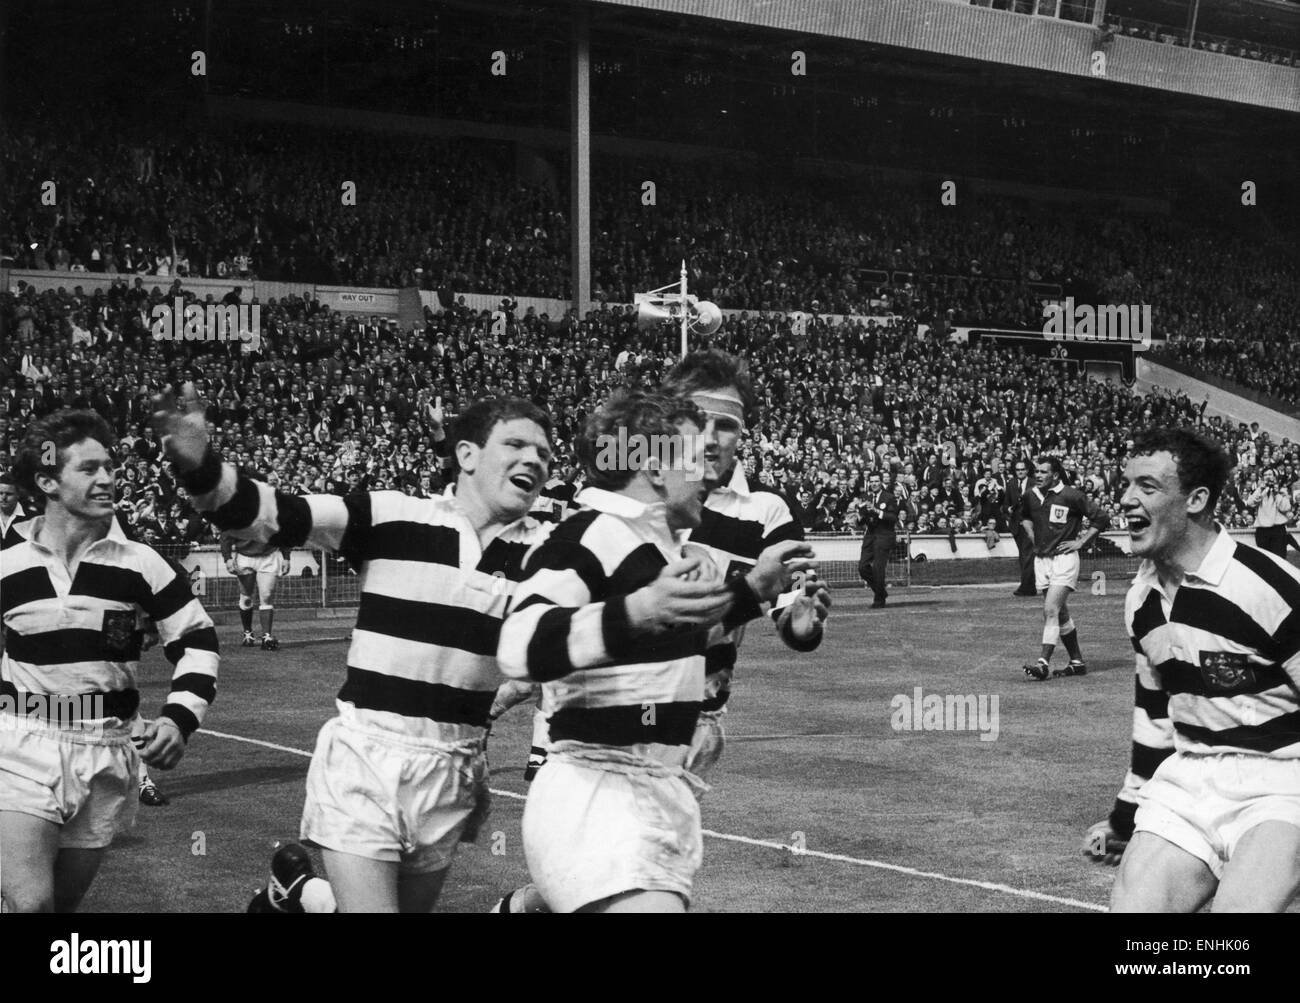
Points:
x=249 y=509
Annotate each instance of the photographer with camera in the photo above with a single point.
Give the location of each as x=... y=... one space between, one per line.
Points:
x=990 y=498
x=1273 y=514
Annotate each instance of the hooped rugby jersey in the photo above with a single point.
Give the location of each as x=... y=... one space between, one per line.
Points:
x=78 y=636
x=1218 y=662
x=432 y=599
x=736 y=526
x=569 y=630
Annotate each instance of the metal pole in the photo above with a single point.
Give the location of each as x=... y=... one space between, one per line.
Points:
x=324 y=560
x=580 y=159
x=207 y=46
x=1191 y=28
x=686 y=310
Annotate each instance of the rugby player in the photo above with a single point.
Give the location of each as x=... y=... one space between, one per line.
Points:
x=14 y=531
x=738 y=523
x=613 y=621
x=257 y=568
x=1052 y=513
x=400 y=776
x=71 y=595
x=1212 y=798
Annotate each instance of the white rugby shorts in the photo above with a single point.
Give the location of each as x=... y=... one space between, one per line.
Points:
x=1063 y=569
x=1205 y=804
x=595 y=830
x=391 y=797
x=85 y=783
x=263 y=564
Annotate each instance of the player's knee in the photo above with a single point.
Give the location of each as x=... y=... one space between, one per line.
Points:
x=1131 y=893
x=245 y=602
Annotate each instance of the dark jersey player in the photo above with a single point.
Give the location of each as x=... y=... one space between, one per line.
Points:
x=1053 y=513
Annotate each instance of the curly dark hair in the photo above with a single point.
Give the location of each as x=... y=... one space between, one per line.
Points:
x=1201 y=461
x=61 y=429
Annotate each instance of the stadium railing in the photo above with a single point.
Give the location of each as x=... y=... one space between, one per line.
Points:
x=316 y=579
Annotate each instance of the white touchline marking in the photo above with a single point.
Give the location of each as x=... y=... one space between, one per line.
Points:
x=769 y=844
x=911 y=871
x=256 y=741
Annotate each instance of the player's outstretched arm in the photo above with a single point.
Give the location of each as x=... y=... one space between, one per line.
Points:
x=246 y=508
x=565 y=618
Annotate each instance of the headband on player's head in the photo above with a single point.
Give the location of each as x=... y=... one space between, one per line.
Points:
x=716 y=405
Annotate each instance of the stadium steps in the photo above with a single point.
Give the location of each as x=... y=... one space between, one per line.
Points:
x=410 y=311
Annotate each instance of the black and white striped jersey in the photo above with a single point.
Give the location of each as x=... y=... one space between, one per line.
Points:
x=1218 y=661
x=423 y=652
x=737 y=525
x=74 y=631
x=569 y=630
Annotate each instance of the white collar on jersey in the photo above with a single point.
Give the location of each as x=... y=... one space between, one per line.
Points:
x=652 y=515
x=449 y=495
x=114 y=533
x=1213 y=566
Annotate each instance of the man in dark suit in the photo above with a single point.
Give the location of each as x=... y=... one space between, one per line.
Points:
x=879 y=519
x=1016 y=488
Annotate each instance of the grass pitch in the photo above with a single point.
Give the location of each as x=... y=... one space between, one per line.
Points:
x=893 y=820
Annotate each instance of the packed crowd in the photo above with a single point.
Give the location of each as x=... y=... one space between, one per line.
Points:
x=239 y=203
x=1264 y=366
x=335 y=402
